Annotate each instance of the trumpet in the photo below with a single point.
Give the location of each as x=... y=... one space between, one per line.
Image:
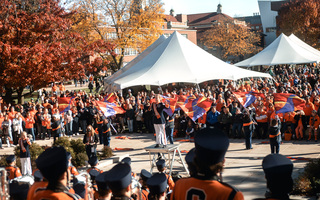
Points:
x=4 y=185
x=84 y=178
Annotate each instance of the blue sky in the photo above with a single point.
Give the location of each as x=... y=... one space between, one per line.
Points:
x=229 y=7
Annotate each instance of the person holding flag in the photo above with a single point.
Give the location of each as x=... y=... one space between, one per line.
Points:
x=159 y=121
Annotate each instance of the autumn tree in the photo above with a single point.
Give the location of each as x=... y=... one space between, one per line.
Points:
x=301 y=17
x=125 y=23
x=233 y=39
x=38 y=46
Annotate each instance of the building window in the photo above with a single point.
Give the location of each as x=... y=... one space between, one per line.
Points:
x=185 y=35
x=257 y=27
x=271 y=29
x=111 y=35
x=252 y=27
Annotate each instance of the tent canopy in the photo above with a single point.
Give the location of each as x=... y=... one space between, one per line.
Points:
x=177 y=59
x=281 y=51
x=120 y=73
x=304 y=45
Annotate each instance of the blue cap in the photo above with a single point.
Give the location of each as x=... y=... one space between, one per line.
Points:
x=101 y=181
x=161 y=164
x=211 y=145
x=145 y=175
x=93 y=174
x=157 y=183
x=93 y=161
x=119 y=177
x=189 y=157
x=80 y=189
x=69 y=155
x=53 y=162
x=10 y=159
x=38 y=176
x=126 y=160
x=277 y=164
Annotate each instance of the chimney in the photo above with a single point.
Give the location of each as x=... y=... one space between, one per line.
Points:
x=182 y=18
x=219 y=10
x=172 y=12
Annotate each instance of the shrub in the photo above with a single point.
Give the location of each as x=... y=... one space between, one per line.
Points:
x=106 y=152
x=308 y=183
x=80 y=159
x=63 y=141
x=76 y=148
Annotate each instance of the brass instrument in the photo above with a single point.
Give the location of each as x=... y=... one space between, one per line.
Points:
x=4 y=185
x=84 y=177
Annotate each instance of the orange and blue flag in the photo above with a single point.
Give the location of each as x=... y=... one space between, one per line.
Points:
x=65 y=103
x=110 y=98
x=286 y=102
x=108 y=109
x=172 y=102
x=195 y=108
x=247 y=98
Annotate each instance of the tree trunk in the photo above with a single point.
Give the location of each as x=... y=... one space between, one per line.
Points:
x=19 y=92
x=8 y=97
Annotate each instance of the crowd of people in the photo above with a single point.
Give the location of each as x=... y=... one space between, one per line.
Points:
x=53 y=177
x=41 y=119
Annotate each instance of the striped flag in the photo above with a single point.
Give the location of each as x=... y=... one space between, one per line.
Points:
x=195 y=108
x=65 y=103
x=286 y=102
x=108 y=109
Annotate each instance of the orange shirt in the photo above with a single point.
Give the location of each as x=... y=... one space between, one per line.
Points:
x=170 y=181
x=202 y=189
x=273 y=116
x=289 y=117
x=54 y=88
x=1 y=120
x=308 y=108
x=34 y=187
x=262 y=116
x=13 y=172
x=29 y=122
x=49 y=194
x=99 y=170
x=73 y=170
x=316 y=121
x=11 y=115
x=316 y=105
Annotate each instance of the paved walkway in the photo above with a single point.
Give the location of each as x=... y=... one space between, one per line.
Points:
x=242 y=167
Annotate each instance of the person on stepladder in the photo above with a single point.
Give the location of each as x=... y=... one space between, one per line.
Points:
x=159 y=122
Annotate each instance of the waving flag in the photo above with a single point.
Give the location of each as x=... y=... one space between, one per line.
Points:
x=195 y=108
x=284 y=102
x=171 y=101
x=172 y=105
x=247 y=98
x=65 y=103
x=108 y=109
x=110 y=98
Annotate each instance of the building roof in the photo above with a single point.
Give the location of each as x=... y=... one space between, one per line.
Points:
x=206 y=18
x=170 y=18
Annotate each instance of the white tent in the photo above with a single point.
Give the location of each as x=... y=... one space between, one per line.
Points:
x=177 y=59
x=281 y=51
x=304 y=45
x=120 y=73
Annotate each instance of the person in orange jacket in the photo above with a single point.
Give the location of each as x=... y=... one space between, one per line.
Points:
x=29 y=125
x=161 y=165
x=53 y=165
x=308 y=108
x=314 y=123
x=12 y=170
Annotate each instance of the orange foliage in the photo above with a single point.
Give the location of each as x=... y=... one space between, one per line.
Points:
x=233 y=39
x=301 y=17
x=123 y=23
